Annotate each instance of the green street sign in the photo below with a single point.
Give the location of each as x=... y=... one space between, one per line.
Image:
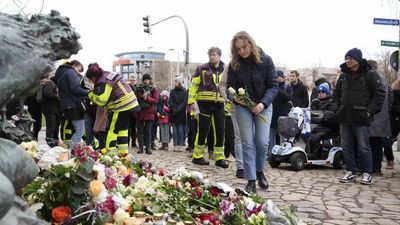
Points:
x=390 y=43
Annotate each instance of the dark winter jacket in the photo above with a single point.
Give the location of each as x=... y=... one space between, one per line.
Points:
x=358 y=94
x=69 y=88
x=148 y=106
x=177 y=103
x=281 y=103
x=259 y=80
x=326 y=111
x=300 y=95
x=51 y=101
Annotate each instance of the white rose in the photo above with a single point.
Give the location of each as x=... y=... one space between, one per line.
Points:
x=119 y=215
x=241 y=91
x=231 y=91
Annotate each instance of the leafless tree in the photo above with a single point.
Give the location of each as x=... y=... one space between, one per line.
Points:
x=23 y=7
x=383 y=60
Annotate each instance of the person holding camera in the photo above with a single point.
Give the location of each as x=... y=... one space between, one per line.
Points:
x=113 y=93
x=148 y=97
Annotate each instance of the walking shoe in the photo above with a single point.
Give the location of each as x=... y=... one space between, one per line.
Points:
x=389 y=165
x=348 y=177
x=240 y=173
x=200 y=161
x=366 y=179
x=153 y=146
x=140 y=151
x=189 y=148
x=222 y=163
x=148 y=152
x=251 y=186
x=262 y=180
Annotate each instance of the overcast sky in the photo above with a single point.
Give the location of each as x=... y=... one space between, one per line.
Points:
x=295 y=33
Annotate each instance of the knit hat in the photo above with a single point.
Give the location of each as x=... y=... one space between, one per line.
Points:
x=280 y=73
x=164 y=93
x=324 y=87
x=355 y=53
x=178 y=79
x=146 y=76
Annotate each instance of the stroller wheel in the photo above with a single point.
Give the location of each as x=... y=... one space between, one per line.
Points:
x=297 y=161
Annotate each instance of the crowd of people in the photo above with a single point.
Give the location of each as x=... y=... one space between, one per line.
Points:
x=112 y=113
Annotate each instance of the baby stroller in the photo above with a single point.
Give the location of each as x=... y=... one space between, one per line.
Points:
x=291 y=128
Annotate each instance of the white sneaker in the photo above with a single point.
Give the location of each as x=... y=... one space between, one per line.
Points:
x=366 y=179
x=348 y=177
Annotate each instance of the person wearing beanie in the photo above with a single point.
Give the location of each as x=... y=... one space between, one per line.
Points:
x=113 y=92
x=324 y=87
x=205 y=92
x=177 y=103
x=358 y=96
x=326 y=123
x=163 y=111
x=148 y=97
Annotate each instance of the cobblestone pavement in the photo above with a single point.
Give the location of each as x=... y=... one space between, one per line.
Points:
x=315 y=191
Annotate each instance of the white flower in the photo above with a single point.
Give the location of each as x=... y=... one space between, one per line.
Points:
x=120 y=201
x=67 y=175
x=241 y=91
x=101 y=197
x=231 y=91
x=120 y=215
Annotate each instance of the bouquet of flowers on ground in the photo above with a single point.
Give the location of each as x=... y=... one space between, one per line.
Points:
x=243 y=95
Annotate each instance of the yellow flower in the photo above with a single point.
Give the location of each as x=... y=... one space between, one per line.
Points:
x=104 y=151
x=95 y=188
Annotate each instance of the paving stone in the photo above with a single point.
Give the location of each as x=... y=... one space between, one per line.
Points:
x=386 y=221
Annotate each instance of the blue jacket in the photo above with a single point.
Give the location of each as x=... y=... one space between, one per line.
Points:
x=259 y=80
x=69 y=89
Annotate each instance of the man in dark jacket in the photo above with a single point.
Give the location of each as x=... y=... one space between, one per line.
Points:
x=300 y=93
x=358 y=96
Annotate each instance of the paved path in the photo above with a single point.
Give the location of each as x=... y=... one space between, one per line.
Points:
x=315 y=191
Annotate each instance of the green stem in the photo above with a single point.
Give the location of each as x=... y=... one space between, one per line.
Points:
x=208 y=205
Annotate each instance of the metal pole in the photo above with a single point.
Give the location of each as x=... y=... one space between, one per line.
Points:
x=170 y=68
x=186 y=75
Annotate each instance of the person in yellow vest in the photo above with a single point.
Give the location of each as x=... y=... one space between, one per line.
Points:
x=204 y=90
x=112 y=92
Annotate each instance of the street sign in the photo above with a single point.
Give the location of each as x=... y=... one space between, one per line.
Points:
x=390 y=43
x=382 y=21
x=394 y=60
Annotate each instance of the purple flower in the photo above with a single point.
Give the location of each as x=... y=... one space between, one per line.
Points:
x=226 y=207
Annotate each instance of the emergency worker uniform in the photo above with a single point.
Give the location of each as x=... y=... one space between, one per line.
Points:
x=205 y=91
x=114 y=93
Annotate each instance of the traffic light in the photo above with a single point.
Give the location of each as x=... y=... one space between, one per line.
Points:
x=147 y=24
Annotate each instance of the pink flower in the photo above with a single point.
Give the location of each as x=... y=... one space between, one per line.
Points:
x=127 y=180
x=110 y=183
x=108 y=206
x=226 y=207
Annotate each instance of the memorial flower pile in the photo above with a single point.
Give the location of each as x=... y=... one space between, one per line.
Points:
x=92 y=188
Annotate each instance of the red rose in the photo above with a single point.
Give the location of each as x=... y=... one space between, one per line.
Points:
x=215 y=191
x=60 y=214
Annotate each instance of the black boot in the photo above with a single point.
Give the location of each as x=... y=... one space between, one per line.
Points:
x=251 y=186
x=222 y=163
x=200 y=161
x=140 y=151
x=262 y=180
x=148 y=151
x=153 y=146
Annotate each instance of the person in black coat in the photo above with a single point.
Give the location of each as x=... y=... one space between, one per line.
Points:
x=300 y=93
x=326 y=120
x=51 y=109
x=281 y=107
x=177 y=103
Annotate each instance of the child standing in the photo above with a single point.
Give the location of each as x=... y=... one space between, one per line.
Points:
x=163 y=111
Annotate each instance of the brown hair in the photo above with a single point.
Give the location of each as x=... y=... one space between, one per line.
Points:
x=295 y=72
x=76 y=63
x=94 y=70
x=396 y=85
x=215 y=49
x=243 y=35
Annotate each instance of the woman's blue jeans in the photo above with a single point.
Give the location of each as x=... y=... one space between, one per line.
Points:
x=254 y=135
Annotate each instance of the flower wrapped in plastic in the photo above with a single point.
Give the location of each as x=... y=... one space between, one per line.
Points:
x=243 y=95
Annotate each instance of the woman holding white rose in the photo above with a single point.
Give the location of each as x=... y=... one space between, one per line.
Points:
x=253 y=72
